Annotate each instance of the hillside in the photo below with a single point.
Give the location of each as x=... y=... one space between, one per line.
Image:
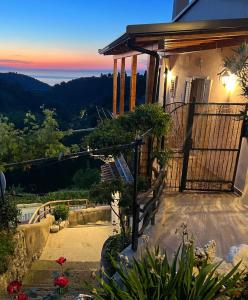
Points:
x=25 y=82
x=20 y=93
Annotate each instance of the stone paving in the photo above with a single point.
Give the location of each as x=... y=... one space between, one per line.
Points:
x=81 y=245
x=221 y=217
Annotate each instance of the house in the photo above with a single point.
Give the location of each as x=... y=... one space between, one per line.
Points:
x=185 y=58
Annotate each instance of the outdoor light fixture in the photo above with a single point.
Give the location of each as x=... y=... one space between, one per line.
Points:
x=168 y=74
x=229 y=81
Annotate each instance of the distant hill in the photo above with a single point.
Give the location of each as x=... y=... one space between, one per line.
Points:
x=25 y=82
x=20 y=93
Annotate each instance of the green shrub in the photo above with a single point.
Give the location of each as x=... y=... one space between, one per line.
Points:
x=154 y=277
x=84 y=179
x=7 y=247
x=124 y=129
x=9 y=214
x=61 y=212
x=26 y=198
x=112 y=248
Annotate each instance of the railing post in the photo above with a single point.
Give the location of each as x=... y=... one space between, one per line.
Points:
x=38 y=213
x=154 y=207
x=136 y=207
x=187 y=145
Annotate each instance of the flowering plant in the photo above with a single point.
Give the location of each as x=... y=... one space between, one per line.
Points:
x=61 y=282
x=14 y=289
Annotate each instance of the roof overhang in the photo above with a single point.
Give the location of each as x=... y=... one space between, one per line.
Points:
x=181 y=37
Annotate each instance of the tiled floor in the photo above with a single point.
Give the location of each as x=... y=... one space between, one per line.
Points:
x=220 y=217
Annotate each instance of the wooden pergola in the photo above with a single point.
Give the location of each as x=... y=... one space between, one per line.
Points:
x=168 y=39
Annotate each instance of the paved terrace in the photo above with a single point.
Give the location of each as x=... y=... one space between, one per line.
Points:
x=221 y=217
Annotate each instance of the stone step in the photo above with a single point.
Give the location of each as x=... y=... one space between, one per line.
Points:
x=42 y=273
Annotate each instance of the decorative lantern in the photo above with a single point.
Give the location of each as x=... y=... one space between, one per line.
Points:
x=229 y=81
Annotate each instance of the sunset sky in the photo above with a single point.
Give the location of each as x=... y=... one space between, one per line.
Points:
x=66 y=34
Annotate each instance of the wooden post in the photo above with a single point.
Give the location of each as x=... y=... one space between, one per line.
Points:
x=122 y=86
x=150 y=79
x=115 y=84
x=133 y=83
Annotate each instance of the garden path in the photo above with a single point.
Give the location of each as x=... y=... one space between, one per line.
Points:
x=221 y=217
x=81 y=245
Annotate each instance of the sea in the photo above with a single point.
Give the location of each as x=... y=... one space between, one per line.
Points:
x=53 y=77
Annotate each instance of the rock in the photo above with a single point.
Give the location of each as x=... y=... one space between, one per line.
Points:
x=54 y=228
x=62 y=225
x=210 y=250
x=84 y=297
x=207 y=253
x=237 y=254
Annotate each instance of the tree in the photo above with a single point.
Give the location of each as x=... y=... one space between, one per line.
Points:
x=127 y=127
x=37 y=138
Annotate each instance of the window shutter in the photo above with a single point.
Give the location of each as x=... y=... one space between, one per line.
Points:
x=187 y=90
x=173 y=87
x=207 y=89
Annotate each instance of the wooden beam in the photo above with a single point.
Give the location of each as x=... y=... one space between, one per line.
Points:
x=133 y=83
x=150 y=78
x=126 y=54
x=192 y=36
x=122 y=86
x=115 y=84
x=206 y=46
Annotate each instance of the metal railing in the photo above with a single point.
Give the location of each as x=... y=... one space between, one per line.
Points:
x=47 y=208
x=146 y=214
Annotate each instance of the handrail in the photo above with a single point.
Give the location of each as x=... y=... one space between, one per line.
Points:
x=38 y=215
x=151 y=207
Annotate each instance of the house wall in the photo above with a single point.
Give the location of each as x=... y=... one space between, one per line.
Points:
x=216 y=9
x=204 y=64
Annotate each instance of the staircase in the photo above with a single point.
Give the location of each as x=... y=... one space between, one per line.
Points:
x=41 y=276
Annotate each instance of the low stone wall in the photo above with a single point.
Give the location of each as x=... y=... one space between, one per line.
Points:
x=90 y=215
x=30 y=241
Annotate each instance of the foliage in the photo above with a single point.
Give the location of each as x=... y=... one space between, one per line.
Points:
x=154 y=277
x=61 y=212
x=126 y=127
x=26 y=198
x=84 y=179
x=9 y=214
x=238 y=64
x=111 y=250
x=7 y=247
x=35 y=140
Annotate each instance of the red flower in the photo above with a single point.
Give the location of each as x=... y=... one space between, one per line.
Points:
x=61 y=281
x=61 y=260
x=22 y=296
x=14 y=287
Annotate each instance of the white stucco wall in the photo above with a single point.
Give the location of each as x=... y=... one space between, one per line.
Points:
x=216 y=9
x=204 y=64
x=241 y=176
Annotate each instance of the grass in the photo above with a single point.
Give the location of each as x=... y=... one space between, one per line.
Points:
x=26 y=198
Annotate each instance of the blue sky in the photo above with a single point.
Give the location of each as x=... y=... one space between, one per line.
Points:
x=50 y=33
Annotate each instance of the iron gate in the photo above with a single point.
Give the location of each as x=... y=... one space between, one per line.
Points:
x=205 y=141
